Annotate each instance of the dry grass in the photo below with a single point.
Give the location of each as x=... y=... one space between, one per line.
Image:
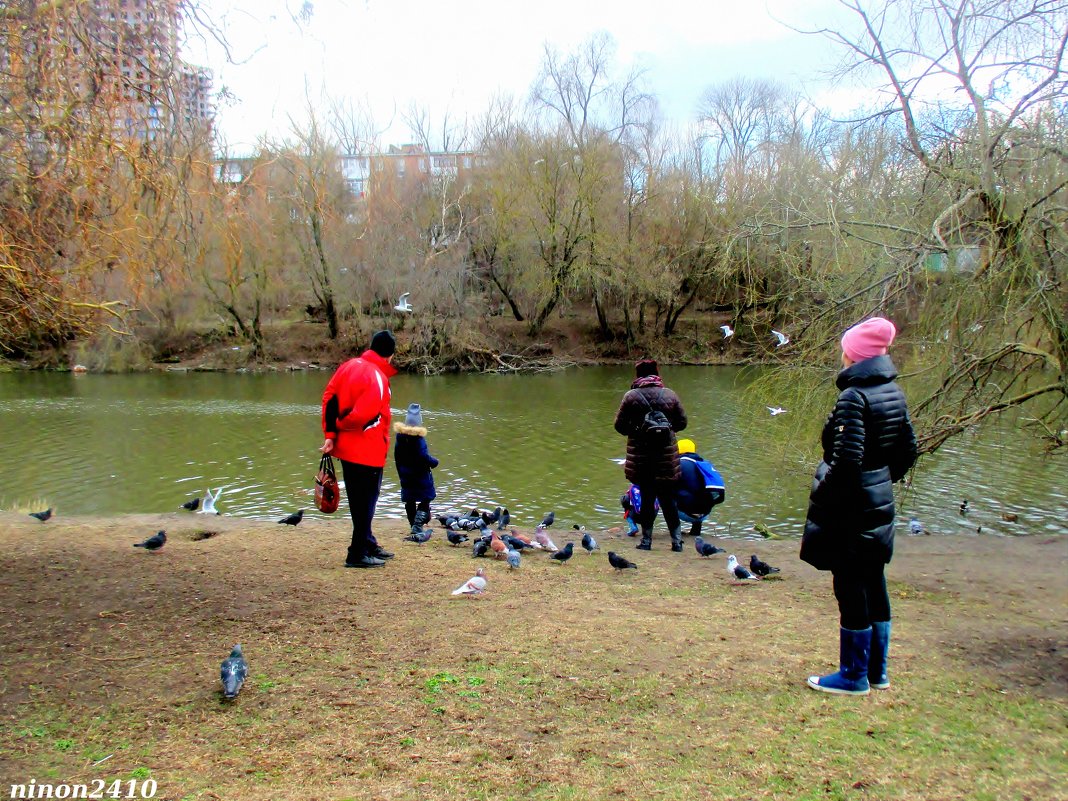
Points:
x=564 y=681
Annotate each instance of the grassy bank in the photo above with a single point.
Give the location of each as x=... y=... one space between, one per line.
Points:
x=561 y=682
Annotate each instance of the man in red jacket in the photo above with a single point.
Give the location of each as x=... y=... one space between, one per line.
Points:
x=356 y=424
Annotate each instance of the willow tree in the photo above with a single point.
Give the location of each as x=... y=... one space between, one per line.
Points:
x=980 y=249
x=94 y=163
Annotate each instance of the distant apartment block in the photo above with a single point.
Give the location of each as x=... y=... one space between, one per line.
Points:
x=367 y=173
x=116 y=57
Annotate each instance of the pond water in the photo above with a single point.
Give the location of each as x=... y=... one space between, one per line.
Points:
x=106 y=444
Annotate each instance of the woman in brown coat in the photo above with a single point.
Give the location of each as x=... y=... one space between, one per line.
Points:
x=652 y=456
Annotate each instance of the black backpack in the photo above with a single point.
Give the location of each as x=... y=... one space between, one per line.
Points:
x=655 y=425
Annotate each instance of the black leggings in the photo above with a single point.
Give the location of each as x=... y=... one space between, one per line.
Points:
x=862 y=596
x=663 y=491
x=410 y=508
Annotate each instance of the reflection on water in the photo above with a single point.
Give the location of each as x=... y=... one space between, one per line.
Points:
x=94 y=444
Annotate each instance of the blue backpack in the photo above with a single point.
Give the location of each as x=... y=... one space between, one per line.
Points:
x=713 y=480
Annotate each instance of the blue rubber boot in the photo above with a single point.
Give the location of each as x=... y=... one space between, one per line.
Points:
x=880 y=649
x=852 y=676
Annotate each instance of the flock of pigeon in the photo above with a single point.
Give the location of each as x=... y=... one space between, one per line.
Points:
x=508 y=544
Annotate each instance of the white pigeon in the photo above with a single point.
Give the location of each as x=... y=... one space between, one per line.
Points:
x=476 y=585
x=544 y=539
x=739 y=572
x=779 y=335
x=728 y=332
x=776 y=410
x=208 y=505
x=402 y=304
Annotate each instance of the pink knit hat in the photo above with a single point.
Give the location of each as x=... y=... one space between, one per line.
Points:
x=868 y=338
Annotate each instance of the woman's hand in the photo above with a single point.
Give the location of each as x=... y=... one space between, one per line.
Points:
x=327 y=446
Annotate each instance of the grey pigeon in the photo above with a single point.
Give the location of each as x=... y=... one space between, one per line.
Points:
x=515 y=543
x=564 y=554
x=479 y=549
x=548 y=519
x=293 y=519
x=964 y=507
x=153 y=543
x=619 y=563
x=915 y=526
x=455 y=538
x=42 y=516
x=761 y=568
x=492 y=517
x=738 y=571
x=705 y=548
x=588 y=542
x=192 y=505
x=234 y=671
x=419 y=536
x=513 y=559
x=504 y=521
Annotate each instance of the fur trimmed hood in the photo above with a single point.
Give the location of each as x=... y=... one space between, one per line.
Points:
x=414 y=431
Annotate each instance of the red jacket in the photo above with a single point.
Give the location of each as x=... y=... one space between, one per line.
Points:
x=360 y=424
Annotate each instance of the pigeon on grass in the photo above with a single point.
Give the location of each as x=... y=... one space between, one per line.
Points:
x=153 y=543
x=233 y=673
x=619 y=563
x=739 y=572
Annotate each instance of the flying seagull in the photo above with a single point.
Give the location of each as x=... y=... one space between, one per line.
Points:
x=783 y=339
x=234 y=671
x=776 y=410
x=293 y=519
x=739 y=572
x=153 y=543
x=728 y=332
x=402 y=304
x=42 y=516
x=208 y=507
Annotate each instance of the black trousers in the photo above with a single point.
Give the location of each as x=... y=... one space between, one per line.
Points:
x=362 y=485
x=862 y=596
x=663 y=491
x=410 y=508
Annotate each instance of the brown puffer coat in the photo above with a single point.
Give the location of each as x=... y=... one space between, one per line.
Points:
x=647 y=461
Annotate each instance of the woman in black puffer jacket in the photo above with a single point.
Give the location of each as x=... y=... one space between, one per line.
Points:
x=652 y=461
x=868 y=444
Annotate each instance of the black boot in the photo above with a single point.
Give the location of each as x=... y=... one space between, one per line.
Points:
x=676 y=539
x=422 y=517
x=647 y=540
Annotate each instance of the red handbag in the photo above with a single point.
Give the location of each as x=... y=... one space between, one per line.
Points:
x=327 y=492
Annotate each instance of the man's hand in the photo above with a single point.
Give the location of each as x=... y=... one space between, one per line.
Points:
x=327 y=446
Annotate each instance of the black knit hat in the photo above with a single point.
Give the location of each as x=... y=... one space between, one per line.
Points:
x=646 y=367
x=384 y=344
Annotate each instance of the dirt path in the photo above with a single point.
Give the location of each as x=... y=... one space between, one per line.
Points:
x=379 y=684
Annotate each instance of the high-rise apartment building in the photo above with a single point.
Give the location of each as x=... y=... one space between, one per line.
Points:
x=110 y=58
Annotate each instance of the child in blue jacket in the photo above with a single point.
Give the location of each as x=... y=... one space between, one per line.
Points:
x=414 y=464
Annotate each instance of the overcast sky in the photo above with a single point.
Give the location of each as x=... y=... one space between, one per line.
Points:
x=454 y=56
